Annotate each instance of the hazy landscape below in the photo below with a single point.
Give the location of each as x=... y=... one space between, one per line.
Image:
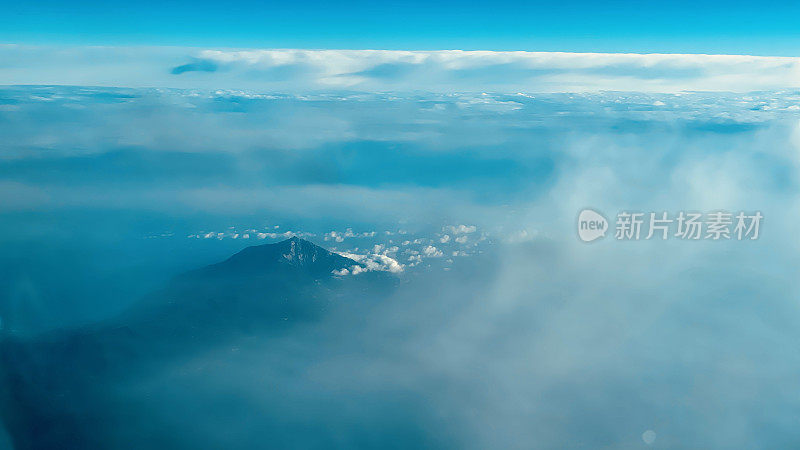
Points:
x=501 y=329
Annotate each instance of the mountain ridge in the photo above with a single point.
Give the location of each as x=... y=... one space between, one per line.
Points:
x=293 y=252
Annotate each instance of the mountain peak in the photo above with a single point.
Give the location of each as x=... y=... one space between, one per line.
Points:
x=303 y=255
x=300 y=251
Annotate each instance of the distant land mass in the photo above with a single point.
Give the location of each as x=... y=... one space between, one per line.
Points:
x=51 y=387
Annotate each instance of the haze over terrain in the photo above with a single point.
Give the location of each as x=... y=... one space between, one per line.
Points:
x=497 y=326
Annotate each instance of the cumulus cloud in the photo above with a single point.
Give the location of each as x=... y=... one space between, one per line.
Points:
x=233 y=234
x=373 y=261
x=462 y=229
x=432 y=252
x=519 y=236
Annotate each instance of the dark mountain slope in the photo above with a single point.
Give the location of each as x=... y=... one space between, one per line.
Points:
x=53 y=389
x=283 y=257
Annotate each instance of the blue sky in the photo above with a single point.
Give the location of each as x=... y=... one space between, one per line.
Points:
x=720 y=27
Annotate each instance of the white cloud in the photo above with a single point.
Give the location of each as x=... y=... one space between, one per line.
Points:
x=519 y=236
x=462 y=229
x=379 y=262
x=432 y=252
x=292 y=70
x=334 y=236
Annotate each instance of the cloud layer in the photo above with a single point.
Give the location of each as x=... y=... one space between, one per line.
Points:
x=292 y=70
x=543 y=342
